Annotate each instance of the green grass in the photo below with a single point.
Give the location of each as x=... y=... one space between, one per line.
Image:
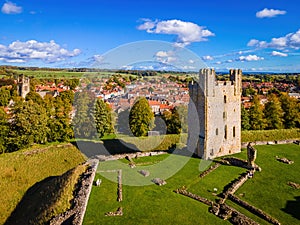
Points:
x=270 y=135
x=22 y=170
x=269 y=190
x=150 y=204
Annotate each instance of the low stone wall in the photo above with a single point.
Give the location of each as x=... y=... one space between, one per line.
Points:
x=128 y=155
x=236 y=184
x=226 y=212
x=75 y=215
x=233 y=161
x=209 y=170
x=120 y=195
x=244 y=144
x=194 y=196
x=253 y=209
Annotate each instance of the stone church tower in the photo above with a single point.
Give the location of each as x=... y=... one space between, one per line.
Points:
x=23 y=86
x=218 y=105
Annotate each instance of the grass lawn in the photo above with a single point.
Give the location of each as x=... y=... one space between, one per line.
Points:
x=269 y=190
x=144 y=203
x=23 y=169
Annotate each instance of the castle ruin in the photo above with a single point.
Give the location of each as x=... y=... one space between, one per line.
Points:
x=218 y=105
x=23 y=86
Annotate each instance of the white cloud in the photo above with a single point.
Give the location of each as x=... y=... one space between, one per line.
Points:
x=49 y=52
x=165 y=57
x=11 y=8
x=275 y=53
x=98 y=58
x=191 y=61
x=250 y=58
x=269 y=13
x=207 y=58
x=291 y=40
x=187 y=32
x=229 y=61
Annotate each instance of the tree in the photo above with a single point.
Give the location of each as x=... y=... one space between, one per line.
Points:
x=83 y=122
x=256 y=115
x=28 y=125
x=67 y=95
x=59 y=121
x=183 y=116
x=103 y=118
x=245 y=120
x=35 y=97
x=273 y=113
x=141 y=117
x=291 y=114
x=173 y=122
x=4 y=96
x=4 y=129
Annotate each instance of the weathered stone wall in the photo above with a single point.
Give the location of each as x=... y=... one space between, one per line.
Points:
x=75 y=215
x=253 y=209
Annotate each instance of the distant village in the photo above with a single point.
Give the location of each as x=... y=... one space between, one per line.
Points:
x=161 y=93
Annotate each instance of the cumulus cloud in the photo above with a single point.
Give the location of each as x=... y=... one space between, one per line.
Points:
x=269 y=13
x=207 y=58
x=291 y=40
x=281 y=54
x=166 y=57
x=187 y=32
x=48 y=52
x=11 y=8
x=249 y=58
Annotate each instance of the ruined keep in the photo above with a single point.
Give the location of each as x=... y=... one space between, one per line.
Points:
x=218 y=105
x=23 y=86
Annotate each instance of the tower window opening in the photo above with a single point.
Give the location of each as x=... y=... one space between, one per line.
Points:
x=225 y=132
x=217 y=131
x=233 y=131
x=225 y=99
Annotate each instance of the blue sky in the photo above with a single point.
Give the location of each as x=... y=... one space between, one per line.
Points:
x=257 y=35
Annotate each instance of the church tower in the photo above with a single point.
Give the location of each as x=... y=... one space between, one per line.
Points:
x=218 y=105
x=23 y=86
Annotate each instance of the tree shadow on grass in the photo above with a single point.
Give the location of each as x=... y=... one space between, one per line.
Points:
x=108 y=147
x=34 y=206
x=293 y=208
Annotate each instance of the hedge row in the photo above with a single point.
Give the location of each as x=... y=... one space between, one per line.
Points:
x=270 y=135
x=157 y=143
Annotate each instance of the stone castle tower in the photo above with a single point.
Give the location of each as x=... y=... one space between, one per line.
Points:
x=218 y=105
x=23 y=86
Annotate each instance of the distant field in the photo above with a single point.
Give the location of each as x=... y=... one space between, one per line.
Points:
x=152 y=204
x=23 y=169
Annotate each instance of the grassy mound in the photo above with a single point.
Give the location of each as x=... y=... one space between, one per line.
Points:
x=31 y=178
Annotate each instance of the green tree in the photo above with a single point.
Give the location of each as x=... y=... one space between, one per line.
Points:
x=28 y=125
x=103 y=118
x=67 y=95
x=83 y=122
x=183 y=116
x=35 y=97
x=59 y=121
x=4 y=96
x=245 y=123
x=4 y=129
x=291 y=114
x=173 y=122
x=273 y=113
x=256 y=115
x=141 y=117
